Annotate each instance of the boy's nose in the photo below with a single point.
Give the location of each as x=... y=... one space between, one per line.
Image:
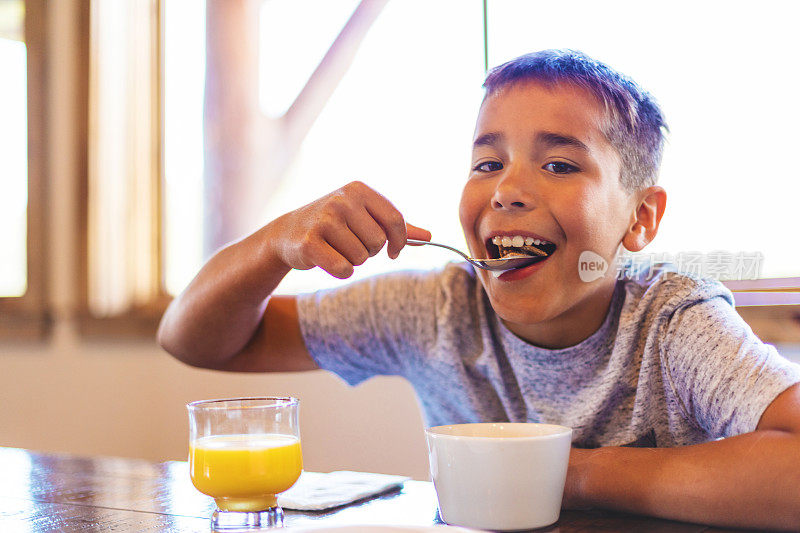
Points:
x=511 y=194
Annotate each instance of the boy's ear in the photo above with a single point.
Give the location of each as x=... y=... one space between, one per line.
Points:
x=646 y=218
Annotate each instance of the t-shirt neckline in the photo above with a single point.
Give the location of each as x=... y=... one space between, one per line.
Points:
x=590 y=348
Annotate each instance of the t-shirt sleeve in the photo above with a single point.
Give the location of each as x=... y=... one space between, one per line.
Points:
x=723 y=375
x=377 y=326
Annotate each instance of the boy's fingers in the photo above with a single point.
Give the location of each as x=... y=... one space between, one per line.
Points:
x=332 y=262
x=391 y=220
x=417 y=233
x=348 y=246
x=365 y=228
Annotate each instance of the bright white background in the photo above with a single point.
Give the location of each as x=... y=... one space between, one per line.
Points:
x=401 y=120
x=13 y=168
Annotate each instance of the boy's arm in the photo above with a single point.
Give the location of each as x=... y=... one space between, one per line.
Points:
x=750 y=480
x=226 y=320
x=277 y=345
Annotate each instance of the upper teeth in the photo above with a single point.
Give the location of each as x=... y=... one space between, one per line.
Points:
x=516 y=241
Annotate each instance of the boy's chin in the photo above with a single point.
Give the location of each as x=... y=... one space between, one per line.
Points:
x=523 y=312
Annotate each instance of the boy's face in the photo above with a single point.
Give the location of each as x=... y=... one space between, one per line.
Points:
x=542 y=168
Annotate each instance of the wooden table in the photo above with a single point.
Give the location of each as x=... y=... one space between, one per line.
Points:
x=48 y=492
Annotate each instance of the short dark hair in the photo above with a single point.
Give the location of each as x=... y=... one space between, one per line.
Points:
x=636 y=127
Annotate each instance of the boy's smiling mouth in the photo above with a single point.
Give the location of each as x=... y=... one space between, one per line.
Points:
x=509 y=245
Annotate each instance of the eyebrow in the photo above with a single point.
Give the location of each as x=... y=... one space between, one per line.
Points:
x=488 y=139
x=549 y=139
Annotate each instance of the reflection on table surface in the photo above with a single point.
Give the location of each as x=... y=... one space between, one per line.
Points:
x=53 y=492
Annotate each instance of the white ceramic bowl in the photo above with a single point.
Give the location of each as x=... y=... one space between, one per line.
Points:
x=501 y=476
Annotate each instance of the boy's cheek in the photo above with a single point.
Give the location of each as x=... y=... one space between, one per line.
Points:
x=591 y=226
x=469 y=210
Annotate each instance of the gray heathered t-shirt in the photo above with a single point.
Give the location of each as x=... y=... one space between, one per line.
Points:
x=673 y=363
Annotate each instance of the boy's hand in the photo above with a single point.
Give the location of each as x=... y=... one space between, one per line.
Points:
x=340 y=231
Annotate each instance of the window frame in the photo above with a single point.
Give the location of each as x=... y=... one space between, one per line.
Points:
x=139 y=321
x=26 y=317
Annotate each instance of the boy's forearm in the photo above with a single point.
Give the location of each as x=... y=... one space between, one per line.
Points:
x=751 y=480
x=218 y=313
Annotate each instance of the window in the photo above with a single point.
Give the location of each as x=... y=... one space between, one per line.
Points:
x=124 y=165
x=13 y=150
x=394 y=106
x=122 y=291
x=22 y=185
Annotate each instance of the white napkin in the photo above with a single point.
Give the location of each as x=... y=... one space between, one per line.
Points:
x=315 y=491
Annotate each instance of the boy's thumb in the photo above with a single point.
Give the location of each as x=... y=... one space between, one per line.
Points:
x=420 y=234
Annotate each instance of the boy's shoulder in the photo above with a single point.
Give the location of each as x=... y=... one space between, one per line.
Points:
x=660 y=287
x=445 y=287
x=451 y=277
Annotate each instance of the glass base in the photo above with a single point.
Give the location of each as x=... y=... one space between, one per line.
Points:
x=239 y=521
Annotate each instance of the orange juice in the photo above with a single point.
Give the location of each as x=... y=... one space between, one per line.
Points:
x=245 y=472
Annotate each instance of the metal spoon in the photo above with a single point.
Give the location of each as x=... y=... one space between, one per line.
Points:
x=487 y=264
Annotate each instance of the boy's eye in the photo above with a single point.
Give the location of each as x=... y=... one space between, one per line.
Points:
x=489 y=166
x=559 y=167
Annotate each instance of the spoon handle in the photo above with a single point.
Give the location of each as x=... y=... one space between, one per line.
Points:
x=456 y=250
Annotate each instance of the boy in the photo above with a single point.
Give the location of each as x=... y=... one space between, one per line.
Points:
x=565 y=159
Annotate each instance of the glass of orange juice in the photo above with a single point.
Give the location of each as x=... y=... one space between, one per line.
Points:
x=243 y=452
